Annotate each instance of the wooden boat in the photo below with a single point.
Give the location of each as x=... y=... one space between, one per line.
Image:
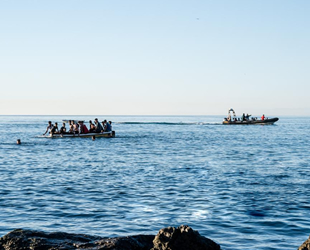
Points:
x=103 y=134
x=252 y=122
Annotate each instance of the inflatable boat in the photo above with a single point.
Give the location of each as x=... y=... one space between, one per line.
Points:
x=246 y=120
x=103 y=134
x=251 y=122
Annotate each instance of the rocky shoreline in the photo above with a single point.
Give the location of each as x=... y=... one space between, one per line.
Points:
x=305 y=245
x=180 y=238
x=170 y=238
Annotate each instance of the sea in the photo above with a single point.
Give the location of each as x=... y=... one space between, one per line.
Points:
x=245 y=187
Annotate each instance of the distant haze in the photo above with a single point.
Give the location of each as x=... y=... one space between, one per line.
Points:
x=158 y=57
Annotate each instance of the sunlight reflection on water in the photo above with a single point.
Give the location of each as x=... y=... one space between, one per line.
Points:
x=243 y=187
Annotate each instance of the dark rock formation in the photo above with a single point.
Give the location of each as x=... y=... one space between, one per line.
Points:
x=27 y=239
x=182 y=238
x=170 y=238
x=305 y=245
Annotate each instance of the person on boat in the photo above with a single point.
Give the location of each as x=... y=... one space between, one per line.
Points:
x=247 y=117
x=92 y=128
x=90 y=125
x=63 y=128
x=76 y=128
x=103 y=125
x=83 y=128
x=55 y=129
x=243 y=117
x=109 y=126
x=263 y=117
x=71 y=130
x=49 y=128
x=98 y=126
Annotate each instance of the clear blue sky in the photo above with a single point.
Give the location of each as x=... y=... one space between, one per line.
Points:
x=155 y=57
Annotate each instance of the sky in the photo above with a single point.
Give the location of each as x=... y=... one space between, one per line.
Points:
x=155 y=57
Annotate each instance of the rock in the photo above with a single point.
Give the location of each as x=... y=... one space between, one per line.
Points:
x=20 y=239
x=137 y=242
x=305 y=245
x=182 y=238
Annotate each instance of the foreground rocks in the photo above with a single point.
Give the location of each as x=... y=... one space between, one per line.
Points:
x=182 y=237
x=305 y=245
x=171 y=238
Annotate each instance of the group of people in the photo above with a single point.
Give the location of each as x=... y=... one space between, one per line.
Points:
x=78 y=127
x=244 y=117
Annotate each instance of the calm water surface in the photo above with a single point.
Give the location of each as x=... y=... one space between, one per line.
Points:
x=245 y=187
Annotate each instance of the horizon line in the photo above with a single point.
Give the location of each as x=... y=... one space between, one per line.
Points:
x=289 y=115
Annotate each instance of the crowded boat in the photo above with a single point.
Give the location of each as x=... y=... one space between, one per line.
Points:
x=78 y=128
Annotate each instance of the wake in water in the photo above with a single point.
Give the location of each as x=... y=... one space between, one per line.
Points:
x=171 y=123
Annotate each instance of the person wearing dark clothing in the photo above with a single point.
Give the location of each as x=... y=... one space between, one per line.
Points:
x=92 y=128
x=63 y=129
x=98 y=126
x=55 y=129
x=247 y=117
x=108 y=126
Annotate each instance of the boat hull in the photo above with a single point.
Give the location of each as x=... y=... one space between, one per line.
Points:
x=252 y=122
x=97 y=135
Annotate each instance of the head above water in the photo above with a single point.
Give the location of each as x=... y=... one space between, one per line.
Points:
x=18 y=142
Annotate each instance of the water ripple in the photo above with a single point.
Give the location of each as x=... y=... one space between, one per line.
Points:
x=244 y=187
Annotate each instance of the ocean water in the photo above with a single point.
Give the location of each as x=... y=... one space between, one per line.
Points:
x=245 y=187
